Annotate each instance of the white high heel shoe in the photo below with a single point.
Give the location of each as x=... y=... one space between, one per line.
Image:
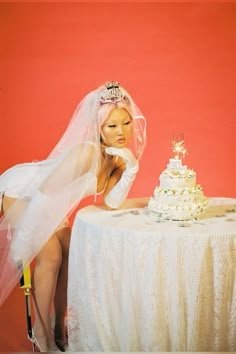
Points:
x=37 y=347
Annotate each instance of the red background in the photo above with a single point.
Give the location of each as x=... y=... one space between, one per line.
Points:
x=177 y=60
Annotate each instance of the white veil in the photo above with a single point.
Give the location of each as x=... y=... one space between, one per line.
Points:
x=64 y=178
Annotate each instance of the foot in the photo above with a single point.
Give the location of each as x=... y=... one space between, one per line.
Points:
x=60 y=338
x=61 y=344
x=60 y=333
x=43 y=343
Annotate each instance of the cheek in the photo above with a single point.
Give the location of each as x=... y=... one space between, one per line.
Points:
x=130 y=130
x=106 y=134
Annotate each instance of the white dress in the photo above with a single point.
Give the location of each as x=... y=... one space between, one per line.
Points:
x=21 y=181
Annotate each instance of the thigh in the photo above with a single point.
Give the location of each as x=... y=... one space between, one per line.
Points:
x=17 y=207
x=63 y=233
x=57 y=245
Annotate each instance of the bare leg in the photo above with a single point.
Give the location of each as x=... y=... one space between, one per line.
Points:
x=49 y=280
x=60 y=299
x=44 y=280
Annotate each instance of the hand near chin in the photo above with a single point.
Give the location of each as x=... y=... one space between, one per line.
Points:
x=126 y=155
x=119 y=192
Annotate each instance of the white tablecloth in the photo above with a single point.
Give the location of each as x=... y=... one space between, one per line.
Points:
x=140 y=285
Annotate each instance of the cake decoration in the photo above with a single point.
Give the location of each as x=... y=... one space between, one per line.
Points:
x=178 y=197
x=179 y=148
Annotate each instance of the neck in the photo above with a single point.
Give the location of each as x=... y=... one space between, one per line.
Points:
x=103 y=152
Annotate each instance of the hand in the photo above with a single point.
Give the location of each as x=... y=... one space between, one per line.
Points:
x=126 y=155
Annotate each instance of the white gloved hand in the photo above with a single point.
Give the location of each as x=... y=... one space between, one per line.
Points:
x=119 y=192
x=126 y=155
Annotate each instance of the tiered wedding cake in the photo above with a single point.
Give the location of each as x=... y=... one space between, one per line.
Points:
x=178 y=197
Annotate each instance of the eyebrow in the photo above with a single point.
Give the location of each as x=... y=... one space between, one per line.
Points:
x=115 y=121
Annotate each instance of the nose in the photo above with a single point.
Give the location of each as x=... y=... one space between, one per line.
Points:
x=120 y=130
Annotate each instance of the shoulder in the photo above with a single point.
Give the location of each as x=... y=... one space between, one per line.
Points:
x=82 y=156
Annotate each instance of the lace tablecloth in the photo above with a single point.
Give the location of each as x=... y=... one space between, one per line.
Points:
x=136 y=284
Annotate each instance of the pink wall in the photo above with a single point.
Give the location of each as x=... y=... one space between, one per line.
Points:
x=176 y=59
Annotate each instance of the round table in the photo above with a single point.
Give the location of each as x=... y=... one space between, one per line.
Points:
x=136 y=284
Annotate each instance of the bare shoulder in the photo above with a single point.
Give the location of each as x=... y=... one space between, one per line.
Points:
x=85 y=155
x=88 y=149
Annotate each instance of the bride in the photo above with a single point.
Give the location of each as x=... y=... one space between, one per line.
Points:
x=98 y=154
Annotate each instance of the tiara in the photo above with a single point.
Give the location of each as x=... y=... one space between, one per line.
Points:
x=112 y=94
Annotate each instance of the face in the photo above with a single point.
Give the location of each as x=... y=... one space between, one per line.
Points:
x=117 y=128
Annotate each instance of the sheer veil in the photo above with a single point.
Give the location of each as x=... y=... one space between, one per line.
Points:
x=49 y=190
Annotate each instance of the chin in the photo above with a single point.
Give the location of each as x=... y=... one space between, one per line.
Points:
x=120 y=146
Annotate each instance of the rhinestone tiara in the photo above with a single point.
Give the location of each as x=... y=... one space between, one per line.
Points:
x=112 y=94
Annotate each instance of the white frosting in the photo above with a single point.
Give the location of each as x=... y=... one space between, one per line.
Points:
x=178 y=197
x=177 y=176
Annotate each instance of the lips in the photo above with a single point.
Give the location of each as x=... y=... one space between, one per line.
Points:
x=121 y=140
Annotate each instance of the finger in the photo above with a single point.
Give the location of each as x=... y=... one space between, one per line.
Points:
x=114 y=151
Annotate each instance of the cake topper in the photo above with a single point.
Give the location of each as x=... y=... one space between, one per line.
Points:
x=178 y=147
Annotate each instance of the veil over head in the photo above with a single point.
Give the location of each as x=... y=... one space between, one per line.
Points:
x=48 y=191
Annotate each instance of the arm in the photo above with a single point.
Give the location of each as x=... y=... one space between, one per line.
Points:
x=114 y=178
x=122 y=178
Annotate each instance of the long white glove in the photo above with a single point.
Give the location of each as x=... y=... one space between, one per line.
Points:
x=119 y=192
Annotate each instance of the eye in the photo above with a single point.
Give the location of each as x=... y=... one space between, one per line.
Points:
x=127 y=123
x=112 y=126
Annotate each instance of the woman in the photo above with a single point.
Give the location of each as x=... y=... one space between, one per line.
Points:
x=98 y=153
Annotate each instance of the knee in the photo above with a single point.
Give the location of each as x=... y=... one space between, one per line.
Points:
x=63 y=236
x=50 y=259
